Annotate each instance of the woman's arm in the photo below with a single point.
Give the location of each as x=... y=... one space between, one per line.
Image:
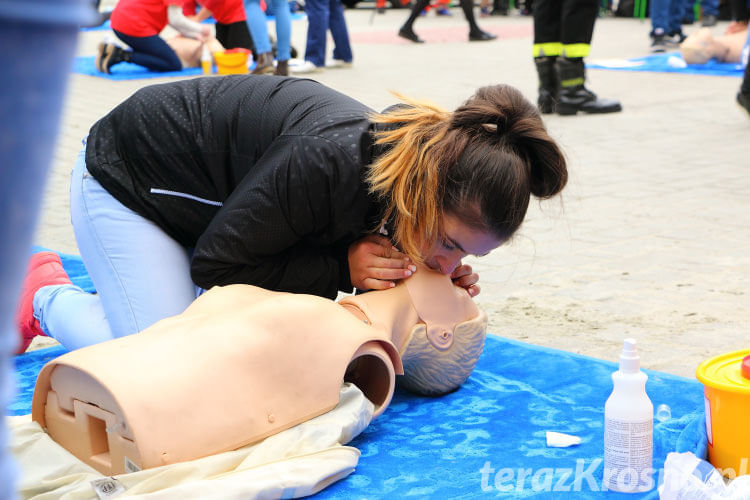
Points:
x=185 y=26
x=282 y=227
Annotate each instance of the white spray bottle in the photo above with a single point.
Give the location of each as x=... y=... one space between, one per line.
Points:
x=628 y=427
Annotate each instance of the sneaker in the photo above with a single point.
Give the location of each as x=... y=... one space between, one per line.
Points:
x=675 y=38
x=443 y=11
x=300 y=67
x=484 y=11
x=102 y=52
x=45 y=268
x=709 y=21
x=338 y=63
x=109 y=54
x=744 y=101
x=658 y=43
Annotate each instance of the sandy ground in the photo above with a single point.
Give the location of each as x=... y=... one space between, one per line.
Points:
x=651 y=238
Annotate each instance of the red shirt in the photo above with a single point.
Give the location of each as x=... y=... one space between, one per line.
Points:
x=141 y=17
x=224 y=11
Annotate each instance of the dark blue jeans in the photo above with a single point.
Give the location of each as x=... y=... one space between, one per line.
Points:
x=667 y=15
x=324 y=15
x=151 y=52
x=710 y=7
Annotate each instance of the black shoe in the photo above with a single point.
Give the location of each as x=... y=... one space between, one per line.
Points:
x=658 y=43
x=687 y=20
x=574 y=97
x=481 y=36
x=579 y=98
x=546 y=102
x=744 y=101
x=549 y=84
x=409 y=34
x=675 y=37
x=709 y=21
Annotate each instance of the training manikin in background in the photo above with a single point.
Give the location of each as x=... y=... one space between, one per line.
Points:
x=242 y=363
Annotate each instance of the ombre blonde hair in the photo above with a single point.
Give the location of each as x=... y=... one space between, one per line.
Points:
x=407 y=176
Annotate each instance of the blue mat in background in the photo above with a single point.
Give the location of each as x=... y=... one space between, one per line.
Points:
x=660 y=63
x=488 y=437
x=126 y=71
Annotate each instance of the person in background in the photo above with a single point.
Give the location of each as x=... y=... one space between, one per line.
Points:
x=287 y=185
x=258 y=24
x=476 y=34
x=710 y=10
x=231 y=29
x=322 y=16
x=138 y=24
x=562 y=38
x=666 y=24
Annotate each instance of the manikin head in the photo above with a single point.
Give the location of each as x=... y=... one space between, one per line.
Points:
x=436 y=328
x=700 y=47
x=462 y=177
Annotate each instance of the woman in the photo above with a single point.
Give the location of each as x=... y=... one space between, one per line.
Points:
x=138 y=24
x=257 y=23
x=288 y=185
x=475 y=32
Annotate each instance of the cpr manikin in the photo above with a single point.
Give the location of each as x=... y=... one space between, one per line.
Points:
x=243 y=363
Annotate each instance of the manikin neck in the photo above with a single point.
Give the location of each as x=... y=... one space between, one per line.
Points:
x=427 y=297
x=390 y=310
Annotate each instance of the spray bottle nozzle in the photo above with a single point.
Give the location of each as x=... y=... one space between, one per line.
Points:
x=630 y=362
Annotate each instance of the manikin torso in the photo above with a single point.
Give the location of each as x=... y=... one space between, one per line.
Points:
x=242 y=363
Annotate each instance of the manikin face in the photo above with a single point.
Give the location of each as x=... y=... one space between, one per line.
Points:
x=459 y=240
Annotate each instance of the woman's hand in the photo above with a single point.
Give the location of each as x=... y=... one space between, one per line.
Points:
x=205 y=35
x=465 y=277
x=375 y=264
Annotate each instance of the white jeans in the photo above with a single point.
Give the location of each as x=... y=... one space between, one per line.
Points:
x=140 y=273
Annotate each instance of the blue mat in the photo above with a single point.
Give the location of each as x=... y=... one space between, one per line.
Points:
x=488 y=437
x=126 y=71
x=660 y=63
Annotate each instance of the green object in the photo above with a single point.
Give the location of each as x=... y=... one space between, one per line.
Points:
x=696 y=10
x=639 y=9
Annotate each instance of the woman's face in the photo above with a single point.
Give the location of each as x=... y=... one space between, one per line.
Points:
x=459 y=240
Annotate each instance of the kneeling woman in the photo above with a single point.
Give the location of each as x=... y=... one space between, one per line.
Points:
x=138 y=24
x=288 y=185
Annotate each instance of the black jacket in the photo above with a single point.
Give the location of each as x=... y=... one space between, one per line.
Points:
x=261 y=176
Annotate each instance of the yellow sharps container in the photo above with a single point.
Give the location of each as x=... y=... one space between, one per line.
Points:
x=726 y=379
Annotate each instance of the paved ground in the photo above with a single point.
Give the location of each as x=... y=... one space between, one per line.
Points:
x=651 y=238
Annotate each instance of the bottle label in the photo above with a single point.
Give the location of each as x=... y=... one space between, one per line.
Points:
x=627 y=455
